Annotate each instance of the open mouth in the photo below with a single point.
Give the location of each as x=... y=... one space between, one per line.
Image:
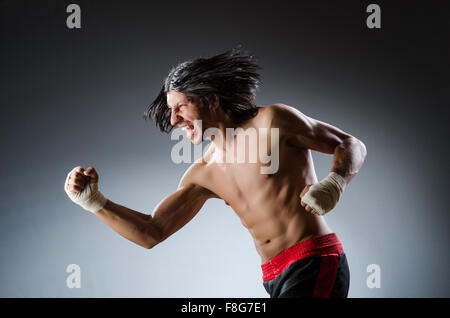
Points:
x=189 y=131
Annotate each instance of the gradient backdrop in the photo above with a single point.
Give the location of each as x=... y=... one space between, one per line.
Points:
x=76 y=97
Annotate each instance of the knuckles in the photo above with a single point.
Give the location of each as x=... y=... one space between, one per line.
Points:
x=77 y=179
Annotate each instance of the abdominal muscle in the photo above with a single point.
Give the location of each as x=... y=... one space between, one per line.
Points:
x=286 y=233
x=276 y=230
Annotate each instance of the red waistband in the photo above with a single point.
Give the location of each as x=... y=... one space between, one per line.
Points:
x=317 y=245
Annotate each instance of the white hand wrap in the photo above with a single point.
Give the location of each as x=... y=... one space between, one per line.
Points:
x=89 y=199
x=323 y=196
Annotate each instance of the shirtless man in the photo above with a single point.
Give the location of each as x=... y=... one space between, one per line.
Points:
x=283 y=210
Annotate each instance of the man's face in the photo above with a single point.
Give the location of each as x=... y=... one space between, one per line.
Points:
x=185 y=110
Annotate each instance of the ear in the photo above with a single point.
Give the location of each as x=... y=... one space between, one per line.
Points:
x=214 y=101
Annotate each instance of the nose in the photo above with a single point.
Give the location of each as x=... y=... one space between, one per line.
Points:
x=174 y=117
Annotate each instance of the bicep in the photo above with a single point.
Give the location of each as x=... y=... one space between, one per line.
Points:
x=178 y=208
x=306 y=132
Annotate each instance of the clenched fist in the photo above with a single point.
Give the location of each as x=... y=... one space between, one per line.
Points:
x=82 y=188
x=321 y=197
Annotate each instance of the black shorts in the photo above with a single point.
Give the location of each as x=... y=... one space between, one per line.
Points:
x=314 y=268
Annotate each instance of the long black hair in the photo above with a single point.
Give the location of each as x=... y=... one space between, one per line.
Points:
x=233 y=76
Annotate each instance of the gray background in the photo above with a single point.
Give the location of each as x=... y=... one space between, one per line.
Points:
x=76 y=97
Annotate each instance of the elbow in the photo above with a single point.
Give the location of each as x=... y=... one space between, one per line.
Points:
x=152 y=238
x=149 y=246
x=363 y=149
x=359 y=149
x=356 y=146
x=150 y=243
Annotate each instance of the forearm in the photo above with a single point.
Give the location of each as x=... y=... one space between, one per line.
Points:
x=348 y=158
x=134 y=226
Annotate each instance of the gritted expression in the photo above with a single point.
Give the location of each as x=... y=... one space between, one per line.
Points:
x=185 y=111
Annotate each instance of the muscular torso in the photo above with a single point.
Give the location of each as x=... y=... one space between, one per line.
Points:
x=268 y=205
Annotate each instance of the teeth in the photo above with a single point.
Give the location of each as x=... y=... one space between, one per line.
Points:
x=187 y=127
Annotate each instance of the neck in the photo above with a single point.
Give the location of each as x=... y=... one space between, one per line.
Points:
x=219 y=136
